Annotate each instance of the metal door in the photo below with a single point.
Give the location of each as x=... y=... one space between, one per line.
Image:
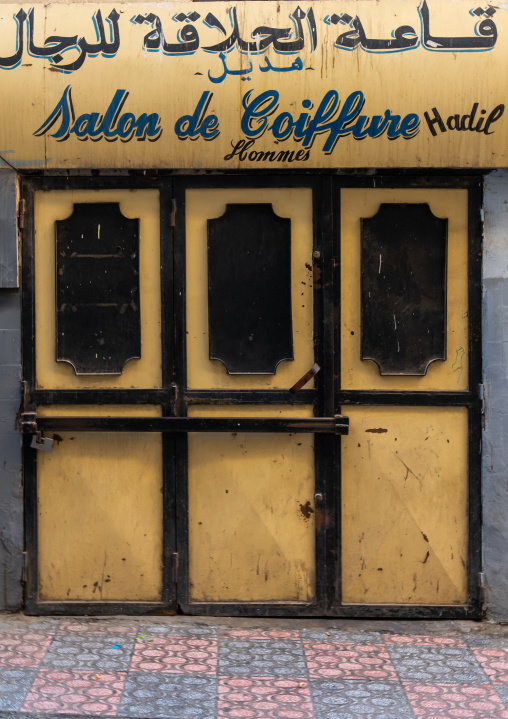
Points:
x=201 y=459
x=409 y=381
x=253 y=509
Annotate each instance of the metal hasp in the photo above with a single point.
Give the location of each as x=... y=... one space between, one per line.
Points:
x=97 y=289
x=313 y=425
x=249 y=289
x=403 y=288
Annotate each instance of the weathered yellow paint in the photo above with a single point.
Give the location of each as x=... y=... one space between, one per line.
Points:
x=57 y=205
x=404 y=505
x=249 y=537
x=100 y=512
x=414 y=81
x=451 y=374
x=201 y=205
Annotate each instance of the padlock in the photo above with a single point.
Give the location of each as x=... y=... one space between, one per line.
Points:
x=44 y=443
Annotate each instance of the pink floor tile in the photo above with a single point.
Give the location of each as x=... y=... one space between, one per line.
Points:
x=264 y=634
x=23 y=649
x=75 y=692
x=349 y=661
x=494 y=663
x=175 y=655
x=423 y=640
x=263 y=698
x=99 y=627
x=454 y=701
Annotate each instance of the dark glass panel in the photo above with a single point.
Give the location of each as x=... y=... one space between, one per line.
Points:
x=249 y=289
x=97 y=289
x=403 y=288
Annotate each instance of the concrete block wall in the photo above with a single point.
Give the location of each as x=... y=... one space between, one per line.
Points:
x=11 y=502
x=495 y=372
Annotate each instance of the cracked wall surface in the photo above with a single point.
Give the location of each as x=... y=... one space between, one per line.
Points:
x=11 y=504
x=495 y=373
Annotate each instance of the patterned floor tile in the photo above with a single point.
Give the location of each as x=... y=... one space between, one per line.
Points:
x=14 y=684
x=492 y=641
x=21 y=623
x=176 y=696
x=338 y=699
x=176 y=629
x=175 y=655
x=23 y=649
x=455 y=700
x=98 y=626
x=89 y=651
x=343 y=636
x=250 y=657
x=263 y=698
x=494 y=663
x=349 y=661
x=75 y=692
x=259 y=633
x=503 y=693
x=423 y=640
x=436 y=664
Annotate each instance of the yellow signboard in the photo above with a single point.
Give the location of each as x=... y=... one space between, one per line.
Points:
x=243 y=85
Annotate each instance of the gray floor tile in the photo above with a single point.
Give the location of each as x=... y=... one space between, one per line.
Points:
x=168 y=695
x=177 y=630
x=14 y=686
x=342 y=636
x=436 y=664
x=336 y=699
x=87 y=651
x=503 y=693
x=489 y=641
x=254 y=658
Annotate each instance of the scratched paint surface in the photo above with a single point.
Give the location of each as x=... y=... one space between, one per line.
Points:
x=100 y=512
x=251 y=511
x=451 y=374
x=404 y=505
x=374 y=58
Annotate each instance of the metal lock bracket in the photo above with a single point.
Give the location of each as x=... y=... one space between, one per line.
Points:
x=40 y=442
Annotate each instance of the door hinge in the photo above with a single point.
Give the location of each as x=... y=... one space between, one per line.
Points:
x=21 y=213
x=24 y=571
x=481 y=395
x=174 y=566
x=172 y=214
x=481 y=580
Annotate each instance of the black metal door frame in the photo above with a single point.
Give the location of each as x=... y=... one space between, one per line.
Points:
x=164 y=397
x=174 y=397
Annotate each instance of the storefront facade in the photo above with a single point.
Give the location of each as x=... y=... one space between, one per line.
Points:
x=243 y=257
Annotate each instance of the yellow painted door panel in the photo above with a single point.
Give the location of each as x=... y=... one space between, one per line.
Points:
x=251 y=512
x=405 y=506
x=451 y=374
x=203 y=205
x=58 y=205
x=99 y=512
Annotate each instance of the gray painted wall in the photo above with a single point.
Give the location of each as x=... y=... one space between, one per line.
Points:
x=495 y=372
x=11 y=504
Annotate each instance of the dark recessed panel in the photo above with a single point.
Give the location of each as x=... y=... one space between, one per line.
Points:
x=97 y=289
x=403 y=288
x=249 y=289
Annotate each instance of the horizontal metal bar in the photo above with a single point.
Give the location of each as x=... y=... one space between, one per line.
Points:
x=321 y=425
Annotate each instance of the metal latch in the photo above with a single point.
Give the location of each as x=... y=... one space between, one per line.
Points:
x=29 y=426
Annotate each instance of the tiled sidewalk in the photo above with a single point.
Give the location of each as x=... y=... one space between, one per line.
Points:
x=194 y=668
